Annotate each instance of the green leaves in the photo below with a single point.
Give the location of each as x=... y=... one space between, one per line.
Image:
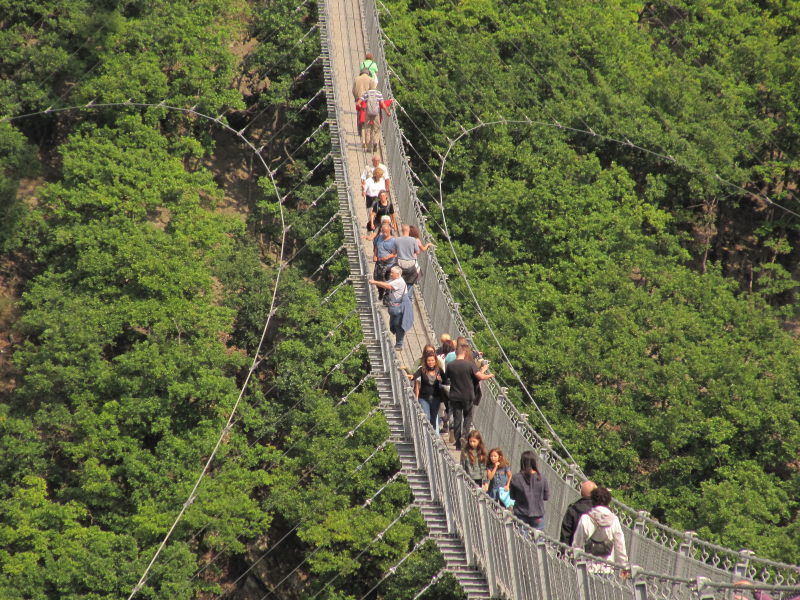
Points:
x=46 y=547
x=662 y=378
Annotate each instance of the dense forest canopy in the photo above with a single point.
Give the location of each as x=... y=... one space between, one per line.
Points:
x=651 y=307
x=140 y=247
x=645 y=288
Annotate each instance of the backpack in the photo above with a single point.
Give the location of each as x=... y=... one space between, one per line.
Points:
x=373 y=105
x=411 y=275
x=370 y=65
x=599 y=546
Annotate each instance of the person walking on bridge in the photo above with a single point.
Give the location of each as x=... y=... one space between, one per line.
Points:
x=575 y=511
x=463 y=375
x=599 y=533
x=375 y=163
x=401 y=314
x=384 y=253
x=374 y=106
x=370 y=65
x=381 y=208
x=362 y=83
x=407 y=256
x=529 y=491
x=373 y=188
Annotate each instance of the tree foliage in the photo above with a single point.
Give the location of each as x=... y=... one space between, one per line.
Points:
x=140 y=302
x=645 y=301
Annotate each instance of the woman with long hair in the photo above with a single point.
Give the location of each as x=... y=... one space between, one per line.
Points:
x=529 y=491
x=473 y=458
x=414 y=233
x=498 y=473
x=427 y=385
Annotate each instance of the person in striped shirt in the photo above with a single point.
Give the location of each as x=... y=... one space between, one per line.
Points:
x=374 y=106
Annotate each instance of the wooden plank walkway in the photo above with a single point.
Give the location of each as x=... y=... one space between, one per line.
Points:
x=349 y=48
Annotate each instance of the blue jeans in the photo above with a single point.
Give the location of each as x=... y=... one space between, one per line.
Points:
x=535 y=522
x=396 y=324
x=430 y=406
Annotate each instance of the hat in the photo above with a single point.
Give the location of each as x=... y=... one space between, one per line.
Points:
x=385 y=218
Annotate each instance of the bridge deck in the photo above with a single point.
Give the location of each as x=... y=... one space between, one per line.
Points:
x=348 y=52
x=491 y=541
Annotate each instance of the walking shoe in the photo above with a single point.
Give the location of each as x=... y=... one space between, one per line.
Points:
x=398 y=346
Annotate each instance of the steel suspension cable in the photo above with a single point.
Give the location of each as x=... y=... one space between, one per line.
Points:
x=378 y=537
x=366 y=504
x=392 y=570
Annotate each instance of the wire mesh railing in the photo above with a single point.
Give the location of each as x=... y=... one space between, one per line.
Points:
x=654 y=546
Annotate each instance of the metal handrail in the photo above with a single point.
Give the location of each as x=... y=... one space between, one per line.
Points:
x=518 y=563
x=656 y=546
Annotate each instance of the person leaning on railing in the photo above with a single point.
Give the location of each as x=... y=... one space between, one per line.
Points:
x=401 y=315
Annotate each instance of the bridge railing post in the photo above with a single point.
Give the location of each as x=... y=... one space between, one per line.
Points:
x=514 y=559
x=640 y=590
x=582 y=573
x=636 y=549
x=543 y=564
x=740 y=570
x=684 y=552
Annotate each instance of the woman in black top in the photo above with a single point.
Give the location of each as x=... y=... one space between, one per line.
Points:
x=427 y=385
x=379 y=208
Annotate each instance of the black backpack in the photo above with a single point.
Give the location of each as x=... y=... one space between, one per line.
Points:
x=599 y=546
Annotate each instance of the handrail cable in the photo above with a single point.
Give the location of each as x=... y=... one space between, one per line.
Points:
x=378 y=537
x=628 y=143
x=393 y=569
x=365 y=504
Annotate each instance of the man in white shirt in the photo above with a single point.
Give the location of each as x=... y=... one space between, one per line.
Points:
x=367 y=173
x=401 y=314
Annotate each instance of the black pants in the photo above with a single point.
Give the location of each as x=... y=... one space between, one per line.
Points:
x=462 y=420
x=370 y=201
x=381 y=273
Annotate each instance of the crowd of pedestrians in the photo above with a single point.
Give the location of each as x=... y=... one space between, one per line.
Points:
x=447 y=380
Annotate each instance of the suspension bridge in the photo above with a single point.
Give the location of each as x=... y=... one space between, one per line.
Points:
x=490 y=553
